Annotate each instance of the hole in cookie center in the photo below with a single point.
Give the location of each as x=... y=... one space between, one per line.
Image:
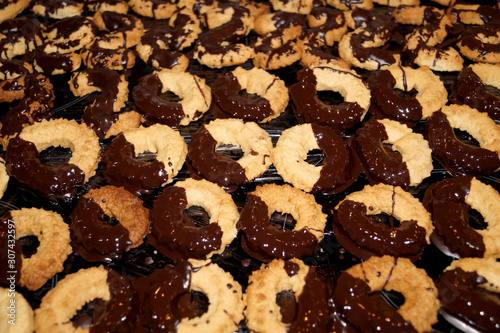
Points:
x=315 y=157
x=55 y=156
x=146 y=156
x=288 y=306
x=330 y=97
x=191 y=304
x=83 y=317
x=30 y=245
x=229 y=151
x=110 y=220
x=465 y=137
x=406 y=94
x=283 y=221
x=385 y=219
x=245 y=94
x=394 y=298
x=196 y=216
x=476 y=220
x=171 y=97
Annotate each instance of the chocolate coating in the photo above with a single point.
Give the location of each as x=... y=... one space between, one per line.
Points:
x=25 y=29
x=355 y=229
x=53 y=182
x=204 y=162
x=122 y=168
x=457 y=157
x=462 y=296
x=335 y=19
x=308 y=108
x=445 y=200
x=174 y=233
x=381 y=164
x=265 y=242
x=92 y=237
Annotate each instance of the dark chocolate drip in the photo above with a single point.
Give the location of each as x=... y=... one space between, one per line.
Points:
x=204 y=161
x=406 y=240
x=364 y=309
x=50 y=63
x=389 y=103
x=340 y=165
x=122 y=168
x=66 y=26
x=316 y=35
x=457 y=157
x=445 y=201
x=53 y=6
x=27 y=28
x=381 y=164
x=53 y=182
x=308 y=108
x=265 y=242
x=98 y=57
x=470 y=38
x=174 y=234
x=227 y=102
x=291 y=268
x=470 y=90
x=13 y=67
x=153 y=105
x=462 y=296
x=11 y=253
x=92 y=237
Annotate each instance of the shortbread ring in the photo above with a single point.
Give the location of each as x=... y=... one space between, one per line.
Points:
x=21 y=311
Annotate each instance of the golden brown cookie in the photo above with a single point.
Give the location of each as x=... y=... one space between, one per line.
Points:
x=18 y=317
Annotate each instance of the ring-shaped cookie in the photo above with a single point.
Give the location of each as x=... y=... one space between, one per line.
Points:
x=194 y=93
x=265 y=242
x=10 y=9
x=122 y=168
x=174 y=236
x=467 y=292
x=19 y=36
x=407 y=163
x=470 y=88
x=456 y=156
x=54 y=237
x=359 y=234
x=204 y=161
x=263 y=314
x=158 y=10
x=338 y=169
x=227 y=101
x=69 y=34
x=117 y=6
x=14 y=68
x=57 y=9
x=356 y=287
x=93 y=238
x=481 y=43
x=431 y=93
x=4 y=177
x=54 y=182
x=120 y=30
x=294 y=6
x=21 y=310
x=453 y=233
x=308 y=108
x=326 y=26
x=351 y=5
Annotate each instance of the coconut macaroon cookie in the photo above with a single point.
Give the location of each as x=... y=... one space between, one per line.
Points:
x=308 y=108
x=407 y=163
x=227 y=102
x=121 y=167
x=359 y=224
x=194 y=93
x=264 y=241
x=172 y=230
x=309 y=290
x=205 y=162
x=54 y=182
x=469 y=290
x=338 y=169
x=357 y=303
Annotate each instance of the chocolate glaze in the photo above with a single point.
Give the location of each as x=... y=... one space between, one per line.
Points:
x=66 y=26
x=92 y=237
x=364 y=309
x=174 y=233
x=457 y=157
x=13 y=67
x=334 y=20
x=469 y=89
x=381 y=164
x=37 y=103
x=462 y=296
x=11 y=252
x=98 y=57
x=227 y=102
x=340 y=164
x=53 y=182
x=204 y=161
x=264 y=242
x=153 y=105
x=52 y=62
x=406 y=240
x=100 y=115
x=53 y=6
x=445 y=200
x=308 y=108
x=389 y=103
x=117 y=22
x=121 y=168
x=470 y=38
x=27 y=27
